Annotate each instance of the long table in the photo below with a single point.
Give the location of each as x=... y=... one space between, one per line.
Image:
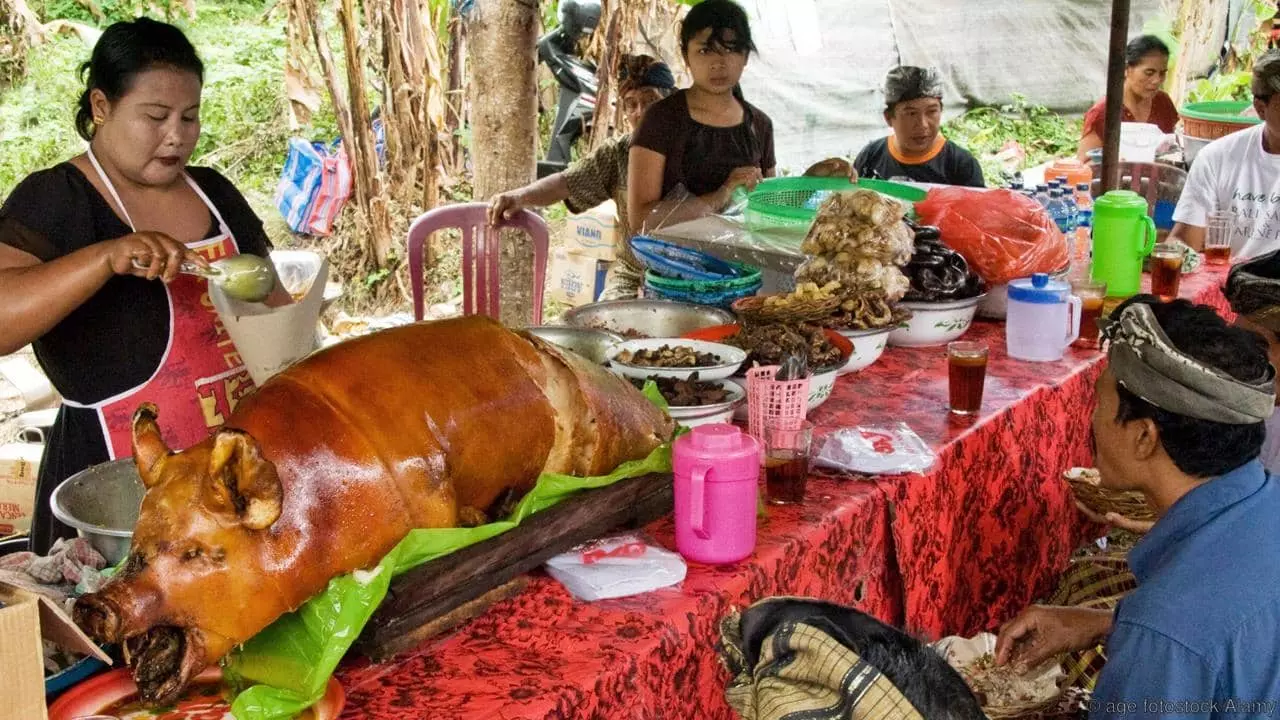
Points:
x=954 y=550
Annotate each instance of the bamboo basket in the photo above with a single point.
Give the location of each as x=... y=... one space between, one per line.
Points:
x=754 y=310
x=1084 y=485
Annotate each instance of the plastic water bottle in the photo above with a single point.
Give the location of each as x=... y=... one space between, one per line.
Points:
x=1042 y=194
x=1058 y=211
x=1082 y=248
x=1073 y=212
x=1084 y=200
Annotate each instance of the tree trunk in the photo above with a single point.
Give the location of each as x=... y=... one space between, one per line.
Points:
x=501 y=41
x=456 y=96
x=360 y=143
x=1199 y=26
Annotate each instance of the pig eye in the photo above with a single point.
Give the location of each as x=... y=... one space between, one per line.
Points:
x=192 y=553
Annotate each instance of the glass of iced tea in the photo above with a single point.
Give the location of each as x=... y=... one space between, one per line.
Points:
x=1166 y=270
x=967 y=367
x=1093 y=295
x=787 y=449
x=1218 y=234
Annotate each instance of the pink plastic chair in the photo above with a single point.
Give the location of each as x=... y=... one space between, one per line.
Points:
x=481 y=284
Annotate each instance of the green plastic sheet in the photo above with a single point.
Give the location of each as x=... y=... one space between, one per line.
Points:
x=287 y=666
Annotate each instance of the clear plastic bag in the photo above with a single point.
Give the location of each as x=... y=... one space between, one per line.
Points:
x=616 y=567
x=876 y=451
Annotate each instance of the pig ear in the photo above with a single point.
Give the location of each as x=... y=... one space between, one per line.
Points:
x=149 y=450
x=243 y=482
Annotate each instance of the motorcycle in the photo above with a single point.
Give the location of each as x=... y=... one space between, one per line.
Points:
x=577 y=79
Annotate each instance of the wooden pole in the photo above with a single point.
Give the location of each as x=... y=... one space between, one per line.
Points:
x=1115 y=95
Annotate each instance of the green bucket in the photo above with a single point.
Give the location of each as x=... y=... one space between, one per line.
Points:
x=792 y=202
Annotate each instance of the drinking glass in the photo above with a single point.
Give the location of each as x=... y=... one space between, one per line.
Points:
x=967 y=368
x=1218 y=234
x=1093 y=295
x=1166 y=270
x=788 y=445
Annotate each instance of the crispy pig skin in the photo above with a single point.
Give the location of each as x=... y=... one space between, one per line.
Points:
x=330 y=463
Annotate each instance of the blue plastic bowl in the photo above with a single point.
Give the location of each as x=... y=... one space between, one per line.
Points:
x=681 y=263
x=55 y=685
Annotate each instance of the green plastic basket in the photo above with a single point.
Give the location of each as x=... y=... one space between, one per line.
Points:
x=1213 y=120
x=785 y=202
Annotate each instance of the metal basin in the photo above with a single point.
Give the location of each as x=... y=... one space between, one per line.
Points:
x=648 y=318
x=102 y=504
x=592 y=344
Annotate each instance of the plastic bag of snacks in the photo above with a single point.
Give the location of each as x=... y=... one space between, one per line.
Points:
x=616 y=567
x=1003 y=235
x=891 y=450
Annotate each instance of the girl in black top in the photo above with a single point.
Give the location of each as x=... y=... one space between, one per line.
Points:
x=706 y=138
x=71 y=238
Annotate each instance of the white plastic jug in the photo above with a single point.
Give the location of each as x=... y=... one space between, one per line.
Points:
x=1043 y=319
x=1139 y=142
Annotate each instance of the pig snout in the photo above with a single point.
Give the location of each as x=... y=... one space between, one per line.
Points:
x=119 y=610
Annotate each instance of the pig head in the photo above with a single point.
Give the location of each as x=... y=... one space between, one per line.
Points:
x=329 y=464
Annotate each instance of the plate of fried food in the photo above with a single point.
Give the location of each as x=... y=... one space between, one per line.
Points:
x=1002 y=691
x=675 y=358
x=694 y=402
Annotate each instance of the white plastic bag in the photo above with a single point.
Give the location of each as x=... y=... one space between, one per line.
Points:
x=616 y=567
x=876 y=451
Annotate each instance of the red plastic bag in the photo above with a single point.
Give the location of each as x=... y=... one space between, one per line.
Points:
x=1004 y=235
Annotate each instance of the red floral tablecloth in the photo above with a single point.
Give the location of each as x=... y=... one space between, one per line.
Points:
x=957 y=549
x=990 y=527
x=546 y=655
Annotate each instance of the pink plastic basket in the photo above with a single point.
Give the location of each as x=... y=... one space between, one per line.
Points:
x=768 y=399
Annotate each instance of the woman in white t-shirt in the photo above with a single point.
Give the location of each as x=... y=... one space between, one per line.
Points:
x=1240 y=173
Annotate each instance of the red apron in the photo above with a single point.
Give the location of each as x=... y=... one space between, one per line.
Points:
x=201 y=376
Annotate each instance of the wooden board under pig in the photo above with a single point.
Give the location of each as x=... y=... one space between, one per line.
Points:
x=444 y=593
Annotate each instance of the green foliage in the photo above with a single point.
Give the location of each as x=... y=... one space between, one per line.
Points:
x=1043 y=134
x=243 y=114
x=1224 y=85
x=36 y=115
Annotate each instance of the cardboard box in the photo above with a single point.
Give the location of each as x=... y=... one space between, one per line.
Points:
x=594 y=232
x=576 y=279
x=19 y=468
x=25 y=620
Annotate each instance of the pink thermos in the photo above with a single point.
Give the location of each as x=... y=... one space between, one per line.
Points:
x=717 y=471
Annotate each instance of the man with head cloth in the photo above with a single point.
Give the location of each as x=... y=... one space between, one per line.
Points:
x=1253 y=289
x=1180 y=418
x=916 y=150
x=1239 y=174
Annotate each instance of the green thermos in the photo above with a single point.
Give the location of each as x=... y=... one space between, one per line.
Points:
x=1123 y=235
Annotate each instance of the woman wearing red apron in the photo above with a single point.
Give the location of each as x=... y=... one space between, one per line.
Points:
x=108 y=336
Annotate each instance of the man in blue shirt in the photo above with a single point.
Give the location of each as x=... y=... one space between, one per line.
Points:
x=1180 y=417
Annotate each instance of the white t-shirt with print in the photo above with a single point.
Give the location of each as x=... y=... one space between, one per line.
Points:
x=1234 y=173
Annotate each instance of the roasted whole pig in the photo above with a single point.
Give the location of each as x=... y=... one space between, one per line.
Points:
x=330 y=463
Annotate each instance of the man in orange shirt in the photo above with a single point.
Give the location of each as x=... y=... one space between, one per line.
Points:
x=916 y=150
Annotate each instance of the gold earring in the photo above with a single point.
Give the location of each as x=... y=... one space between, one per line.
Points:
x=97 y=120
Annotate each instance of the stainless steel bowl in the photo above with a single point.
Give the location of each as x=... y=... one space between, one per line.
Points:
x=592 y=344
x=102 y=504
x=650 y=318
